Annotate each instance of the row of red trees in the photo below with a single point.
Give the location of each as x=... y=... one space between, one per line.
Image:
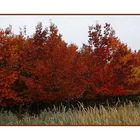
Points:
x=44 y=68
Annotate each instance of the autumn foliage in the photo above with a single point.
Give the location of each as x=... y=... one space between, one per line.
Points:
x=44 y=68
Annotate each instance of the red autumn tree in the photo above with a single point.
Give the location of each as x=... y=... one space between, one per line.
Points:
x=103 y=50
x=44 y=68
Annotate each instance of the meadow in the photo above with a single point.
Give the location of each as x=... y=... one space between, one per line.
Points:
x=126 y=114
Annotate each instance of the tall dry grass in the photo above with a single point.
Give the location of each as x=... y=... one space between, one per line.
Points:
x=123 y=115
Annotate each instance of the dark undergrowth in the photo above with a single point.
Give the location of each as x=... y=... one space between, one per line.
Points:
x=106 y=101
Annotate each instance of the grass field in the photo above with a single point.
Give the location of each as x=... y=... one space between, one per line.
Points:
x=123 y=115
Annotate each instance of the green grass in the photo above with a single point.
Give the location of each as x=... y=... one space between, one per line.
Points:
x=122 y=115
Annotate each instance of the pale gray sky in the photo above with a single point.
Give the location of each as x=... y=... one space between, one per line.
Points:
x=75 y=28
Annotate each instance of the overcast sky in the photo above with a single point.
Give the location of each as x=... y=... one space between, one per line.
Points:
x=75 y=28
